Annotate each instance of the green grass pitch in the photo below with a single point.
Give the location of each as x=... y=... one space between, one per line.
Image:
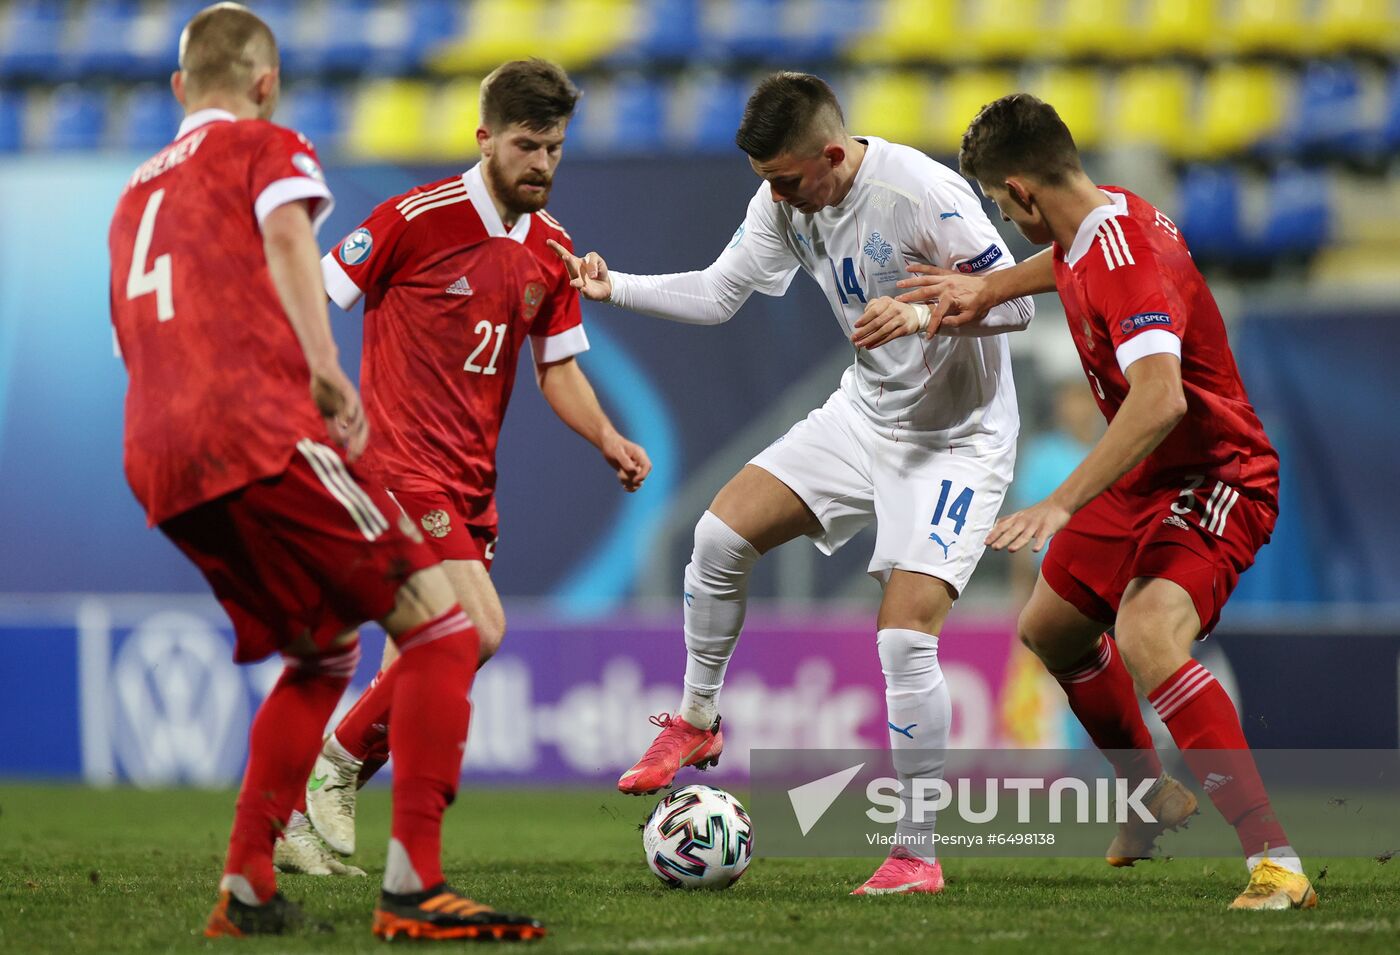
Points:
x=126 y=871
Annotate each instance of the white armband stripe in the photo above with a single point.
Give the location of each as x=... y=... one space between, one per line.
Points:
x=340 y=287
x=291 y=189
x=1154 y=341
x=566 y=344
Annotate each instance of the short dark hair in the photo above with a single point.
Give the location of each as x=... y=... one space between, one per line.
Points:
x=784 y=112
x=222 y=46
x=1018 y=134
x=535 y=93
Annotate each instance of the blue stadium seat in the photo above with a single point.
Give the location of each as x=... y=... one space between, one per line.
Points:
x=31 y=40
x=158 y=52
x=667 y=32
x=1299 y=218
x=430 y=23
x=318 y=113
x=346 y=46
x=77 y=119
x=1389 y=132
x=819 y=31
x=103 y=40
x=639 y=115
x=150 y=120
x=1209 y=213
x=719 y=105
x=11 y=121
x=743 y=29
x=1327 y=117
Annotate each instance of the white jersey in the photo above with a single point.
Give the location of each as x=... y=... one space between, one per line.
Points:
x=955 y=390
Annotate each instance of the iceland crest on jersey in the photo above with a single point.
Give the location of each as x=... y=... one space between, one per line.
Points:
x=982 y=260
x=878 y=249
x=355 y=248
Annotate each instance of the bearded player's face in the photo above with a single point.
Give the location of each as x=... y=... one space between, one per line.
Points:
x=519 y=163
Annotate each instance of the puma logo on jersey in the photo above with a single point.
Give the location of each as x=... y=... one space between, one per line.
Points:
x=460 y=287
x=949 y=215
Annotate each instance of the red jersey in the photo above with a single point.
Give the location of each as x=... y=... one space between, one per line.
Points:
x=1130 y=289
x=450 y=297
x=219 y=390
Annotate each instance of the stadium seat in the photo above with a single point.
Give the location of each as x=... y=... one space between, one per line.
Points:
x=1001 y=30
x=585 y=31
x=714 y=106
x=1190 y=27
x=453 y=115
x=818 y=29
x=1077 y=95
x=638 y=121
x=150 y=119
x=742 y=29
x=431 y=24
x=1388 y=138
x=1240 y=107
x=1269 y=27
x=1299 y=213
x=1370 y=26
x=893 y=105
x=1097 y=29
x=1327 y=119
x=664 y=31
x=318 y=113
x=959 y=100
x=494 y=31
x=389 y=120
x=102 y=40
x=1153 y=109
x=31 y=40
x=77 y=119
x=357 y=31
x=11 y=121
x=1209 y=213
x=909 y=30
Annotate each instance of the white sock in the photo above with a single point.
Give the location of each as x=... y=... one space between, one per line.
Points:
x=333 y=747
x=240 y=888
x=399 y=875
x=1282 y=855
x=297 y=820
x=920 y=713
x=716 y=596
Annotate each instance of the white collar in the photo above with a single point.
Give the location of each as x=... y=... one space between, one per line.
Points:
x=486 y=209
x=1097 y=216
x=201 y=117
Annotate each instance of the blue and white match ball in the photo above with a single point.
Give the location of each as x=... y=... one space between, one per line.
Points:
x=698 y=837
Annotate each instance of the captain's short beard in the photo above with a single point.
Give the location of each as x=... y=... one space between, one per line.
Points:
x=509 y=194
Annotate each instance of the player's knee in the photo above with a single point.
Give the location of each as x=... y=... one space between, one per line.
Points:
x=908 y=657
x=721 y=559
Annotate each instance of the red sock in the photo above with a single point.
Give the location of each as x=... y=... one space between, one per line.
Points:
x=428 y=737
x=1207 y=730
x=1101 y=694
x=282 y=747
x=365 y=726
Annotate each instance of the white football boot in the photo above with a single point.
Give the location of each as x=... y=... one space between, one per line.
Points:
x=301 y=851
x=330 y=796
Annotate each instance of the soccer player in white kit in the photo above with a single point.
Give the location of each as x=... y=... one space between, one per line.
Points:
x=920 y=436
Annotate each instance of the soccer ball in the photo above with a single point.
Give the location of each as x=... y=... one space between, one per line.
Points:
x=698 y=837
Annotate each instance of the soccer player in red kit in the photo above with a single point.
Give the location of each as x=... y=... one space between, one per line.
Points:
x=1153 y=529
x=456 y=276
x=220 y=317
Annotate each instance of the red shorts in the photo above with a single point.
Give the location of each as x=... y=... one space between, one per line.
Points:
x=450 y=534
x=1202 y=536
x=315 y=551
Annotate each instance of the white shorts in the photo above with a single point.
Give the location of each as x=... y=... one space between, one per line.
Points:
x=932 y=508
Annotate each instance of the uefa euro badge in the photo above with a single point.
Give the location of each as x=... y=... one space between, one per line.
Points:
x=878 y=249
x=308 y=167
x=355 y=248
x=534 y=295
x=437 y=523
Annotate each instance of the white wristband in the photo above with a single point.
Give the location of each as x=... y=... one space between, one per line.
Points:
x=925 y=316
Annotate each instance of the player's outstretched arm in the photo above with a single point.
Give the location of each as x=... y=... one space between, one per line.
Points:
x=570 y=394
x=957 y=299
x=1154 y=406
x=294 y=262
x=588 y=274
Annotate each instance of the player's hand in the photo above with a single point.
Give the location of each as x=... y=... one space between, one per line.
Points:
x=886 y=319
x=588 y=274
x=340 y=405
x=628 y=459
x=956 y=299
x=1032 y=526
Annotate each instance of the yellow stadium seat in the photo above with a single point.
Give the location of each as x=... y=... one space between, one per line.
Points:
x=893 y=105
x=494 y=31
x=1077 y=95
x=585 y=30
x=1153 y=109
x=1097 y=28
x=996 y=30
x=389 y=120
x=1180 y=26
x=1269 y=26
x=1369 y=25
x=1239 y=106
x=909 y=30
x=959 y=101
x=453 y=116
